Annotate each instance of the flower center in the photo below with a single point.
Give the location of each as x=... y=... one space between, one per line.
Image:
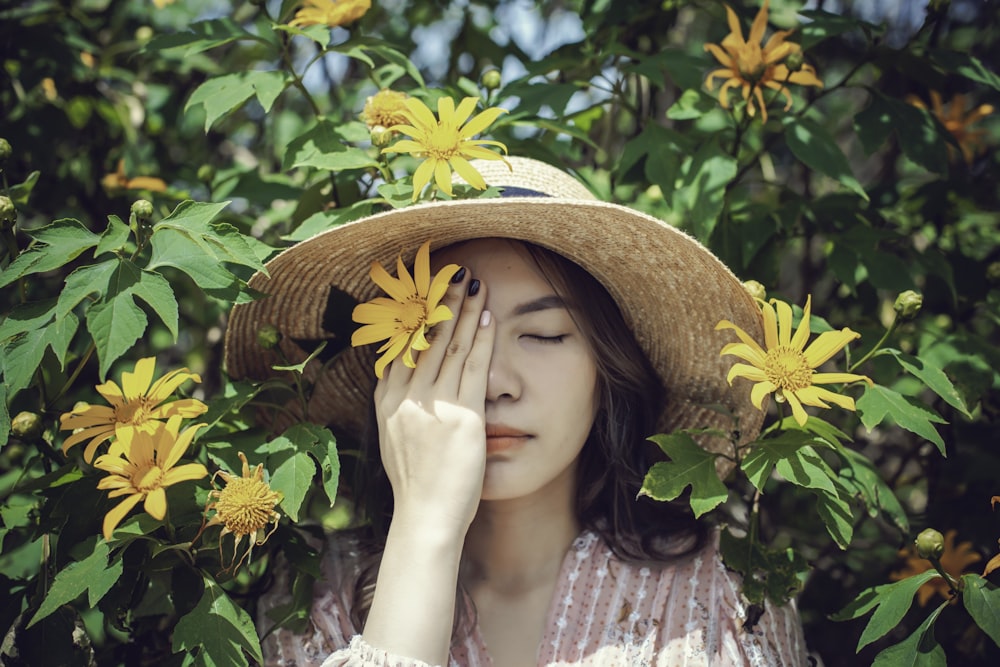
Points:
x=412 y=313
x=135 y=411
x=750 y=63
x=246 y=505
x=148 y=478
x=787 y=368
x=443 y=142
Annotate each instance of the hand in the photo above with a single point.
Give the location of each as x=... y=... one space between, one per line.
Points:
x=431 y=421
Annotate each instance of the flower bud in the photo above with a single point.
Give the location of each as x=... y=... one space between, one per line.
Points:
x=26 y=425
x=908 y=304
x=381 y=136
x=8 y=213
x=756 y=290
x=142 y=209
x=206 y=173
x=993 y=273
x=268 y=336
x=794 y=61
x=491 y=79
x=930 y=543
x=5 y=151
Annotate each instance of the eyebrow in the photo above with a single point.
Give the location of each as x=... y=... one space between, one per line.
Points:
x=543 y=303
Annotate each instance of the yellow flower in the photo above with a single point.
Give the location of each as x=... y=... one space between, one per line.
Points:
x=119 y=181
x=956 y=121
x=330 y=12
x=147 y=470
x=385 y=109
x=786 y=367
x=135 y=407
x=751 y=67
x=445 y=143
x=244 y=507
x=954 y=560
x=406 y=317
x=160 y=4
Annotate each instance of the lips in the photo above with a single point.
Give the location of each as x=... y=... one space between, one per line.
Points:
x=501 y=438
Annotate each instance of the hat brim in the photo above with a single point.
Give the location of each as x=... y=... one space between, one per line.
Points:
x=670 y=289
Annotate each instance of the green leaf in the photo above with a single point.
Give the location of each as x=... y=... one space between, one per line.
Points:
x=324 y=220
x=823 y=25
x=861 y=477
x=700 y=196
x=890 y=602
x=689 y=465
x=791 y=444
x=93 y=574
x=397 y=195
x=690 y=105
x=834 y=508
x=967 y=65
x=879 y=402
x=319 y=442
x=224 y=632
x=20 y=193
x=918 y=650
x=88 y=280
x=26 y=317
x=4 y=412
x=773 y=574
x=293 y=477
x=933 y=377
x=157 y=292
x=23 y=355
x=200 y=36
x=811 y=143
x=114 y=237
x=223 y=94
x=323 y=147
x=55 y=245
x=982 y=600
x=116 y=322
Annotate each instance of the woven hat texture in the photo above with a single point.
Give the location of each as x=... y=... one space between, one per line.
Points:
x=671 y=290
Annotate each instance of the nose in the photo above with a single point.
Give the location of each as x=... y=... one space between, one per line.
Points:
x=503 y=382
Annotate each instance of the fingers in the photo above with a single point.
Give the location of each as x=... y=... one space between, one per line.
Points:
x=475 y=372
x=464 y=339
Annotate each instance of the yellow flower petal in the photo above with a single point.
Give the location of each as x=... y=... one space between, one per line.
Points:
x=828 y=344
x=422 y=269
x=117 y=513
x=156 y=503
x=797 y=411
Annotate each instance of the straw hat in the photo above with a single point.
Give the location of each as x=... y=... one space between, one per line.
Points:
x=671 y=291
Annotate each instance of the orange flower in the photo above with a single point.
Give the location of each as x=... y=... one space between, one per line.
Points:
x=957 y=121
x=119 y=181
x=954 y=560
x=752 y=67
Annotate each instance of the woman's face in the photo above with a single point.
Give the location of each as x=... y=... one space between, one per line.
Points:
x=541 y=392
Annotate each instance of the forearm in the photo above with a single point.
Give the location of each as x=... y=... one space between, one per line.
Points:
x=413 y=608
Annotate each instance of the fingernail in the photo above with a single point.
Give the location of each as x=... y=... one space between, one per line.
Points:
x=484 y=319
x=474 y=287
x=457 y=278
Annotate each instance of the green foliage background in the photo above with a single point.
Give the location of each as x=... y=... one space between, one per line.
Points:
x=852 y=196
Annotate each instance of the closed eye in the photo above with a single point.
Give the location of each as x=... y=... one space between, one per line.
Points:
x=546 y=339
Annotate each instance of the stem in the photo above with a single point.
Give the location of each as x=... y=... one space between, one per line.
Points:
x=878 y=345
x=952 y=582
x=76 y=372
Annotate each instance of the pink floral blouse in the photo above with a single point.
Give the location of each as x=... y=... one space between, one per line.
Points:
x=604 y=612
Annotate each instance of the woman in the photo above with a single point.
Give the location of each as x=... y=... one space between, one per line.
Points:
x=515 y=447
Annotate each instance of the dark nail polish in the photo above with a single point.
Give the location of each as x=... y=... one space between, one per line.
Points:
x=474 y=287
x=457 y=278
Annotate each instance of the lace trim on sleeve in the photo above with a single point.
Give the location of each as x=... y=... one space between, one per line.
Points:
x=360 y=653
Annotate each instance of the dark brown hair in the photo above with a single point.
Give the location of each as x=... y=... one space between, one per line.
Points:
x=613 y=461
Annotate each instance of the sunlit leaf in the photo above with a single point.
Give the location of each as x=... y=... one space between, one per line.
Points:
x=222 y=630
x=982 y=600
x=293 y=477
x=879 y=402
x=812 y=144
x=689 y=465
x=55 y=245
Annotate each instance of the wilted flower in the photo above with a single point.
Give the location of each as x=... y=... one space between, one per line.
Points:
x=445 y=143
x=787 y=366
x=406 y=317
x=752 y=68
x=384 y=109
x=330 y=12
x=144 y=473
x=953 y=560
x=957 y=121
x=244 y=507
x=136 y=406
